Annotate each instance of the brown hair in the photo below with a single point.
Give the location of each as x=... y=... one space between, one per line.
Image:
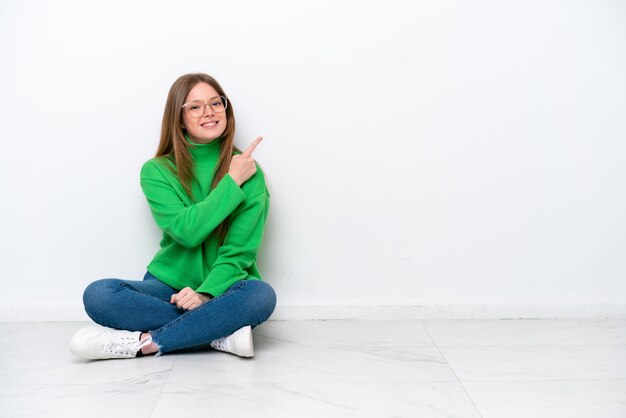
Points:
x=173 y=146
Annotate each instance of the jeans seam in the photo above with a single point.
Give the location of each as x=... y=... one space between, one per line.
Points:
x=130 y=287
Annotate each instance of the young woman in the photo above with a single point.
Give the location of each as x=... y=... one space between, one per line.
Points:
x=202 y=288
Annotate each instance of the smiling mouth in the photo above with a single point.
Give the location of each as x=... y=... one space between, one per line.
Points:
x=209 y=124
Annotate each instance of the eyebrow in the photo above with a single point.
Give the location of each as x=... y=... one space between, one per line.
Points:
x=210 y=98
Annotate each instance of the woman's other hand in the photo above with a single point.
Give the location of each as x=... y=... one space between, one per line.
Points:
x=189 y=299
x=242 y=166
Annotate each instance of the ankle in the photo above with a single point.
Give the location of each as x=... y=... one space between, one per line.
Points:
x=149 y=348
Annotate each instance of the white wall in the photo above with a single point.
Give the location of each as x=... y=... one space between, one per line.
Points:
x=419 y=153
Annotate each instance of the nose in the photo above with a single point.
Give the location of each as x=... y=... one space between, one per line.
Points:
x=207 y=110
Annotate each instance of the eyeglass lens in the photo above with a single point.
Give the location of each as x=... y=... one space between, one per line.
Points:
x=198 y=107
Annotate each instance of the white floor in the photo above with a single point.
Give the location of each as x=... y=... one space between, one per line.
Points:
x=489 y=369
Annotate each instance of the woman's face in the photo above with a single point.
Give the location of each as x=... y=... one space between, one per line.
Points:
x=209 y=125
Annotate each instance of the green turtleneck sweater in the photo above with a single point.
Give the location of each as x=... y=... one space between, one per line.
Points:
x=189 y=254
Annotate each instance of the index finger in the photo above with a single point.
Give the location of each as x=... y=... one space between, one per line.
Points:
x=252 y=146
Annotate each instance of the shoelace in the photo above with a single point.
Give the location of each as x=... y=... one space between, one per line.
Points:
x=125 y=346
x=219 y=344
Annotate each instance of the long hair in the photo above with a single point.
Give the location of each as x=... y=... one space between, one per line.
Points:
x=173 y=146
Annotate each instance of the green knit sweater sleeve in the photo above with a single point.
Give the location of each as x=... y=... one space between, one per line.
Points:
x=240 y=247
x=187 y=224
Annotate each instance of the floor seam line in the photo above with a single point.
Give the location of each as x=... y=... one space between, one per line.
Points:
x=163 y=386
x=453 y=372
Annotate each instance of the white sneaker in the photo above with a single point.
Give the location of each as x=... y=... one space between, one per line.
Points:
x=98 y=343
x=239 y=343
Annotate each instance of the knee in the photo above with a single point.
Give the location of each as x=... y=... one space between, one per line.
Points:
x=97 y=294
x=266 y=297
x=271 y=297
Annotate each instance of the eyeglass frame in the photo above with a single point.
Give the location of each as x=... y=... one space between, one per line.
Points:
x=205 y=103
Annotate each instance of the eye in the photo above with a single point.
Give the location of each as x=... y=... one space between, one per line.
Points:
x=217 y=103
x=194 y=107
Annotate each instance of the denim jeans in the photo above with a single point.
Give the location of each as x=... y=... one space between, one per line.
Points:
x=135 y=305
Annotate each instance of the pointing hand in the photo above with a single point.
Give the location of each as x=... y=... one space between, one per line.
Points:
x=242 y=166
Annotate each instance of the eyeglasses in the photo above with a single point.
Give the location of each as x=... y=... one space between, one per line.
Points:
x=196 y=108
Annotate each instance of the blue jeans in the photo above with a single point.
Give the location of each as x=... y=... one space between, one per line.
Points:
x=135 y=305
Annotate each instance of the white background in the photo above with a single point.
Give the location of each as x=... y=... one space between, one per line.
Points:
x=419 y=153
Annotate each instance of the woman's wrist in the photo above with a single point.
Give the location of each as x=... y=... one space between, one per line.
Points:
x=205 y=296
x=236 y=180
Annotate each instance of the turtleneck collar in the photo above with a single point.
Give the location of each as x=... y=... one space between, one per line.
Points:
x=205 y=154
